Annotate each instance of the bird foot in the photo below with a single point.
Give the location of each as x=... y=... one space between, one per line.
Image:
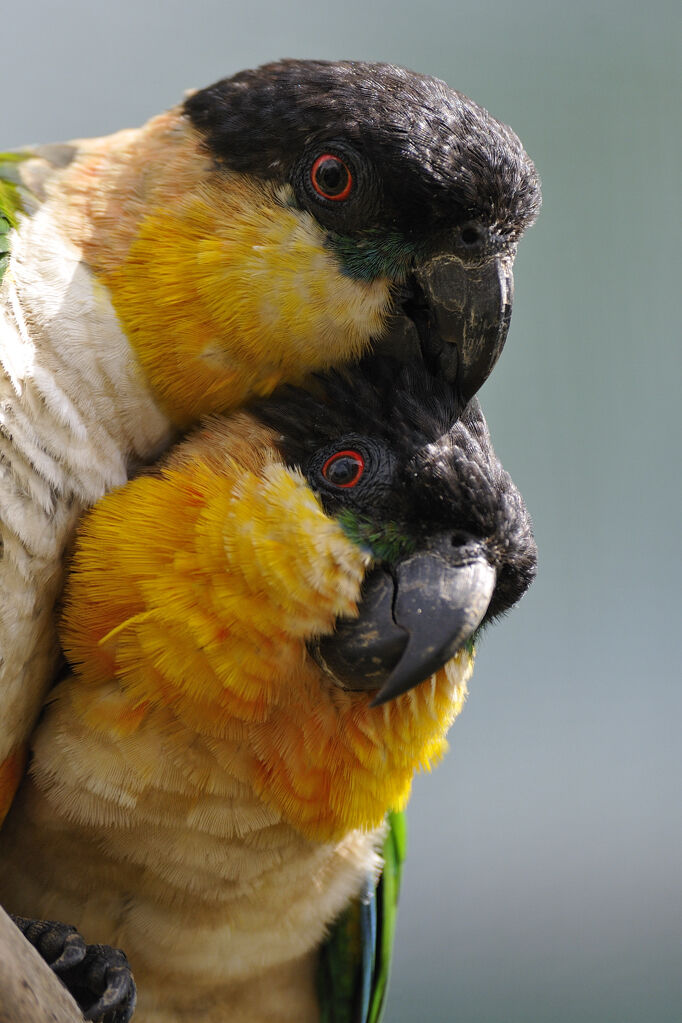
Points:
x=97 y=976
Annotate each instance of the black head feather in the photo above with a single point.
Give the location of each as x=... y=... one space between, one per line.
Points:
x=431 y=158
x=403 y=405
x=431 y=467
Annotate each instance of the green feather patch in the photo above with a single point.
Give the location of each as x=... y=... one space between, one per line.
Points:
x=375 y=253
x=11 y=204
x=354 y=962
x=385 y=541
x=6 y=226
x=388 y=893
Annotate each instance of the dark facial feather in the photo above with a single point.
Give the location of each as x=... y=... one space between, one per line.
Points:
x=435 y=470
x=439 y=158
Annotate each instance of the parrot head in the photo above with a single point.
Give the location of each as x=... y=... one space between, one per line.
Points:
x=303 y=581
x=409 y=182
x=291 y=218
x=413 y=479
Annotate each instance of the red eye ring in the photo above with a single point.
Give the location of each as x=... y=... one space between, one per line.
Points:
x=356 y=457
x=334 y=163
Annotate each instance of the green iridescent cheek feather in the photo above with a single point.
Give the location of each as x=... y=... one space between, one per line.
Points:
x=386 y=542
x=374 y=254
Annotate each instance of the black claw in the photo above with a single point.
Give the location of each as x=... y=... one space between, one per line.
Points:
x=73 y=952
x=60 y=945
x=97 y=976
x=106 y=972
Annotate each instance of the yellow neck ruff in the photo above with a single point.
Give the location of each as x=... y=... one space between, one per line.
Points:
x=196 y=590
x=222 y=287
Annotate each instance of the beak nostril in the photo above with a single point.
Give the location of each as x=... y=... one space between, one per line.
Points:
x=471 y=235
x=458 y=539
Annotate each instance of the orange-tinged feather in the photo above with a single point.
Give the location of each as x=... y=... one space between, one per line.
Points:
x=222 y=286
x=196 y=588
x=11 y=772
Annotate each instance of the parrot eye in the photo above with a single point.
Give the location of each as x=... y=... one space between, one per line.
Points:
x=344 y=469
x=331 y=177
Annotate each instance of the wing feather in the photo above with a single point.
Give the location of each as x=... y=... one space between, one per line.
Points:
x=354 y=962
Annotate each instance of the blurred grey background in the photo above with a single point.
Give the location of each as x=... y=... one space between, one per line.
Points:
x=544 y=882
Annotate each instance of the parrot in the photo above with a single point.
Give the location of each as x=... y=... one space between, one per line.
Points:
x=267 y=633
x=281 y=221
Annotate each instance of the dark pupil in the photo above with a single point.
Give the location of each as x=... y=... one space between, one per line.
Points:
x=342 y=470
x=332 y=176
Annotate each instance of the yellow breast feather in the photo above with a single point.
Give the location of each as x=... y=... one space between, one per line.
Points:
x=205 y=611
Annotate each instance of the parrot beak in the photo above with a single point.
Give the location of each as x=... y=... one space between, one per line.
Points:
x=411 y=620
x=454 y=315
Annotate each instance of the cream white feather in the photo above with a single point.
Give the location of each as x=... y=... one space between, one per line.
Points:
x=74 y=410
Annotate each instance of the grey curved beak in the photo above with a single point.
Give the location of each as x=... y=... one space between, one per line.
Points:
x=456 y=318
x=411 y=621
x=439 y=606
